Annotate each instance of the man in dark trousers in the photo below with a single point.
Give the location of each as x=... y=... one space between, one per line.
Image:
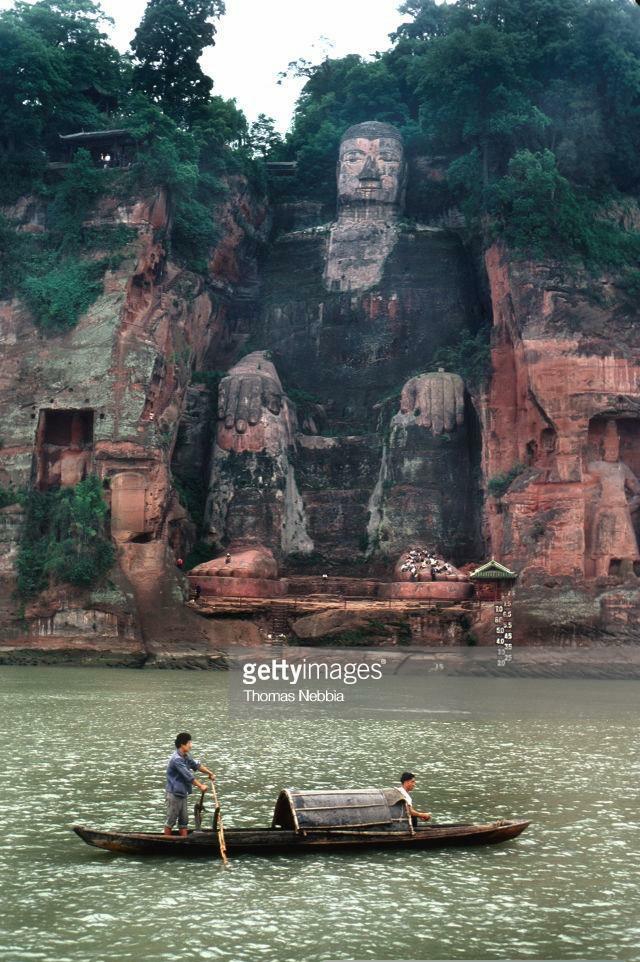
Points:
x=180 y=782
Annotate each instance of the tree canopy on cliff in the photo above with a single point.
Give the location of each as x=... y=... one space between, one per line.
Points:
x=500 y=91
x=167 y=48
x=60 y=76
x=510 y=98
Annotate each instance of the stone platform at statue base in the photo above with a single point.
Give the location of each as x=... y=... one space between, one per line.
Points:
x=217 y=586
x=427 y=590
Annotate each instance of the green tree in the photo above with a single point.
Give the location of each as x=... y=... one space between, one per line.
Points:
x=78 y=552
x=93 y=68
x=74 y=198
x=167 y=47
x=32 y=80
x=59 y=74
x=263 y=138
x=473 y=86
x=537 y=208
x=218 y=124
x=57 y=297
x=63 y=538
x=538 y=211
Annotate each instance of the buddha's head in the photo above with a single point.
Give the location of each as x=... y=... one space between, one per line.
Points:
x=371 y=167
x=611 y=443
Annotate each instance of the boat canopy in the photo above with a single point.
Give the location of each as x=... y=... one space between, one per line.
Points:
x=379 y=809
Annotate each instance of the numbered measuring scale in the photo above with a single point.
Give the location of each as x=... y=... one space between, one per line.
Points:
x=503 y=621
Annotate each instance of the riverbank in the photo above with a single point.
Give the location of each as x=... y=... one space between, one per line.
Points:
x=604 y=661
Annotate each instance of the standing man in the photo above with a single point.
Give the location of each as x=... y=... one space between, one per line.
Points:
x=180 y=782
x=407 y=784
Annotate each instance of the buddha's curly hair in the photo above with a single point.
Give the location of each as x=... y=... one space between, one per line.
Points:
x=372 y=129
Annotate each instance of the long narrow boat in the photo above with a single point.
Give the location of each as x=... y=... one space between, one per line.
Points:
x=315 y=821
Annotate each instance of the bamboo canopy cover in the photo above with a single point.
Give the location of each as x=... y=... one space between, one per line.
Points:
x=382 y=809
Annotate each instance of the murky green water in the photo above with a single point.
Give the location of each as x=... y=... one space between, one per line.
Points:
x=90 y=746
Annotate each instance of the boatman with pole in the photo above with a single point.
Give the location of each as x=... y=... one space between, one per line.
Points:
x=180 y=782
x=407 y=784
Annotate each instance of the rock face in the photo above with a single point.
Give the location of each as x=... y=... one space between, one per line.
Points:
x=106 y=398
x=563 y=404
x=331 y=439
x=562 y=425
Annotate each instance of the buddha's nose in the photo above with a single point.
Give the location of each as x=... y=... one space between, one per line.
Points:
x=370 y=170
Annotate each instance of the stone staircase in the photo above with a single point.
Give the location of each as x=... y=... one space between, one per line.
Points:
x=281 y=618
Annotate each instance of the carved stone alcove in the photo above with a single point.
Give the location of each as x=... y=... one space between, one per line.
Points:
x=128 y=495
x=612 y=497
x=64 y=447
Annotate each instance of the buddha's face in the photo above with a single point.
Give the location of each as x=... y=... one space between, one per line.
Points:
x=371 y=169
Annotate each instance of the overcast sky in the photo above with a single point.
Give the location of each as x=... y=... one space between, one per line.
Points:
x=258 y=38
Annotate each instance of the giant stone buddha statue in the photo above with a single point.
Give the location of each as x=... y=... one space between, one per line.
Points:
x=349 y=314
x=372 y=177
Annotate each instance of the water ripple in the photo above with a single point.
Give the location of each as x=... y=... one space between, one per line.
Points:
x=93 y=745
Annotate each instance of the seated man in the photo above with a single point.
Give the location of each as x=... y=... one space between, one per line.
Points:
x=180 y=781
x=407 y=784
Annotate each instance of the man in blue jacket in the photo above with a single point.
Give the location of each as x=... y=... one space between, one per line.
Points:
x=180 y=782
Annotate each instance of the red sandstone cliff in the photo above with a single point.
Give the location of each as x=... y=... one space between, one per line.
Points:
x=559 y=422
x=561 y=417
x=107 y=398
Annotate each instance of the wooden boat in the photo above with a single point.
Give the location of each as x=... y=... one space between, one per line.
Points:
x=313 y=821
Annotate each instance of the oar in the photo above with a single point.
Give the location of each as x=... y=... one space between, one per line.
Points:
x=198 y=809
x=217 y=821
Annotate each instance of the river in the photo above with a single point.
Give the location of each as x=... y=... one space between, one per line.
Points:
x=90 y=745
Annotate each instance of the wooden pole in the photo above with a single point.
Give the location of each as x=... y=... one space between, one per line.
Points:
x=217 y=821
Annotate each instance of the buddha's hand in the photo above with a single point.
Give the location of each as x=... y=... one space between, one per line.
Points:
x=436 y=400
x=250 y=386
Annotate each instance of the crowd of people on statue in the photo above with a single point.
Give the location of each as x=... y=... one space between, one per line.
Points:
x=419 y=561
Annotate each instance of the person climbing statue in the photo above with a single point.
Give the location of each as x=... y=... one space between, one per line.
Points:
x=180 y=782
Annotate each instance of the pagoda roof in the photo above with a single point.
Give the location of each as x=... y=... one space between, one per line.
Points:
x=493 y=571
